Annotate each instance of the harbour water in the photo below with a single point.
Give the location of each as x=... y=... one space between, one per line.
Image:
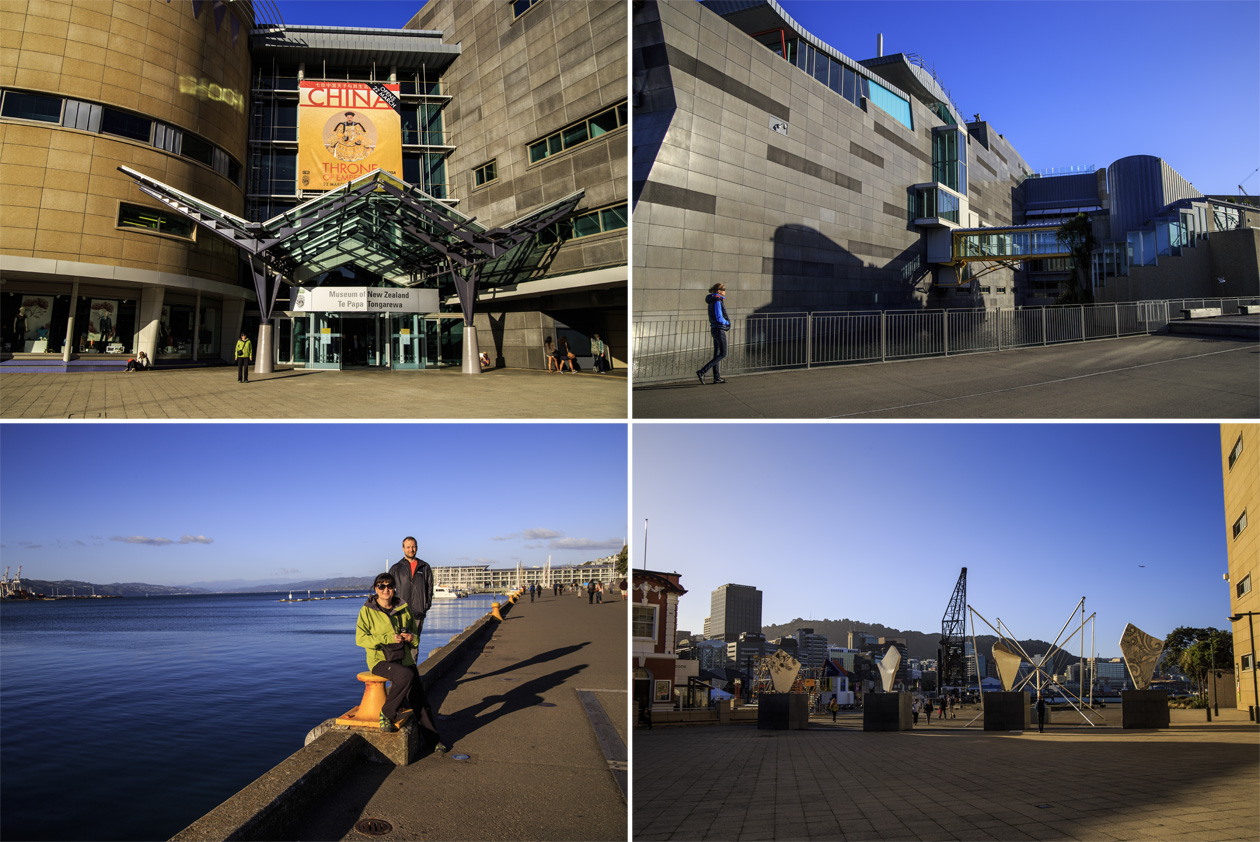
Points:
x=128 y=719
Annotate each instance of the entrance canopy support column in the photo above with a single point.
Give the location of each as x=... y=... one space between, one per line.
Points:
x=266 y=287
x=466 y=280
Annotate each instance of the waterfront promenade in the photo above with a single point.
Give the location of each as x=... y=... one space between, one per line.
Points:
x=946 y=782
x=1135 y=377
x=288 y=393
x=535 y=707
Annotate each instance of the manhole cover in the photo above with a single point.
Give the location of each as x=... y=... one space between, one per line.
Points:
x=507 y=679
x=1043 y=806
x=373 y=827
x=546 y=704
x=459 y=757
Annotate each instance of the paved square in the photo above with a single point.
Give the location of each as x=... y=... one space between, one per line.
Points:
x=297 y=393
x=1191 y=781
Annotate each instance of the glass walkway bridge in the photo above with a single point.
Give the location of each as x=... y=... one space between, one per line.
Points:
x=1009 y=244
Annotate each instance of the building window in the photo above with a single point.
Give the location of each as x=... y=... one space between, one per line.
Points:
x=134 y=217
x=578 y=133
x=588 y=224
x=1244 y=587
x=643 y=623
x=1236 y=452
x=1245 y=663
x=520 y=7
x=46 y=109
x=1240 y=524
x=485 y=173
x=198 y=149
x=126 y=125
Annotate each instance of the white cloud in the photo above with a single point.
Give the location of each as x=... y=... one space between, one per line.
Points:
x=162 y=542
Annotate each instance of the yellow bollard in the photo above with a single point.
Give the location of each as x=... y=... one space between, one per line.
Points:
x=494 y=609
x=512 y=598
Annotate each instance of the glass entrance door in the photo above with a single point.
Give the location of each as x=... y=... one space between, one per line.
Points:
x=326 y=341
x=406 y=341
x=361 y=341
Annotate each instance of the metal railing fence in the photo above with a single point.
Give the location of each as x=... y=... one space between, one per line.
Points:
x=670 y=348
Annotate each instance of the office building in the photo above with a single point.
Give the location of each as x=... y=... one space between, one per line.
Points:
x=734 y=609
x=350 y=196
x=1240 y=481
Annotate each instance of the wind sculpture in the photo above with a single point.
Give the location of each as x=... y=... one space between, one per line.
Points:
x=1141 y=653
x=1008 y=654
x=783 y=670
x=888 y=667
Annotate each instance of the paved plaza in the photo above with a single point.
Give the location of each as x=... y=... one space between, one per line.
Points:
x=295 y=393
x=1129 y=378
x=1194 y=781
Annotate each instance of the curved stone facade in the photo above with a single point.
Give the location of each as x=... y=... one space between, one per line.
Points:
x=121 y=65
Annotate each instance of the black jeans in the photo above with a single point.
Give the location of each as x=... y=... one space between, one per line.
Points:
x=404 y=686
x=242 y=369
x=719 y=352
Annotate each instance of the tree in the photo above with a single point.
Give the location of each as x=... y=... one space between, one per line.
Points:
x=1078 y=235
x=1198 y=651
x=623 y=560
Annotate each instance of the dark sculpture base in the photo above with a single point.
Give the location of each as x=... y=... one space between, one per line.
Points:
x=783 y=711
x=1144 y=708
x=1007 y=711
x=887 y=712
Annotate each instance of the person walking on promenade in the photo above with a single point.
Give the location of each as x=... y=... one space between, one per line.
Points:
x=834 y=707
x=590 y=592
x=244 y=356
x=549 y=351
x=927 y=709
x=387 y=630
x=414 y=578
x=942 y=707
x=1041 y=715
x=719 y=324
x=914 y=711
x=531 y=591
x=599 y=593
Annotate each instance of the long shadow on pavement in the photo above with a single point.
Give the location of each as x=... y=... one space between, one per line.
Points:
x=464 y=722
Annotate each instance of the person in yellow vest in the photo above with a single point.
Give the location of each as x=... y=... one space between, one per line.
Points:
x=244 y=356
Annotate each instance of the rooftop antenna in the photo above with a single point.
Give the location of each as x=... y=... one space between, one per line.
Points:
x=879 y=45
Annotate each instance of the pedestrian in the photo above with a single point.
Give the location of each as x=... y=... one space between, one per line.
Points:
x=599 y=593
x=244 y=356
x=599 y=351
x=1041 y=715
x=942 y=707
x=414 y=578
x=834 y=707
x=531 y=591
x=914 y=711
x=927 y=709
x=549 y=351
x=590 y=592
x=387 y=630
x=953 y=714
x=564 y=355
x=719 y=324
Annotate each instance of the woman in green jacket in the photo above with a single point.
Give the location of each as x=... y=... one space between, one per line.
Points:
x=387 y=631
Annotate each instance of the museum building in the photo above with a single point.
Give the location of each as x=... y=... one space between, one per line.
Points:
x=806 y=180
x=175 y=173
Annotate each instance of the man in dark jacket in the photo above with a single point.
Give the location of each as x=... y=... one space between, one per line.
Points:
x=414 y=578
x=719 y=324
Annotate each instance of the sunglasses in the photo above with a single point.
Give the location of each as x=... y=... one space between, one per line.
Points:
x=384 y=587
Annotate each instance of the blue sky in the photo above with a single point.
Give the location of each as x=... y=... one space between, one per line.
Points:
x=179 y=503
x=1083 y=83
x=1070 y=84
x=873 y=522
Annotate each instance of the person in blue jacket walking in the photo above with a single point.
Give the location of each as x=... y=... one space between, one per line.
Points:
x=719 y=324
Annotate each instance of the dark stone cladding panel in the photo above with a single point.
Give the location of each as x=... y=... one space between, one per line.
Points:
x=974 y=191
x=893 y=210
x=982 y=162
x=897 y=140
x=866 y=154
x=859 y=247
x=779 y=156
x=677 y=197
x=1001 y=157
x=712 y=76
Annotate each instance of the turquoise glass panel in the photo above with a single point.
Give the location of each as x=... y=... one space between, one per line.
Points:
x=895 y=106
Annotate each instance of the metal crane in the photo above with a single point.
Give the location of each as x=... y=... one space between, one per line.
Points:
x=952 y=660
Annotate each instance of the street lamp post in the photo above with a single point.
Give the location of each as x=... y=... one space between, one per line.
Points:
x=1255 y=696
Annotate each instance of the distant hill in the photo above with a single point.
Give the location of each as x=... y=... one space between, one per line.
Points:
x=66 y=587
x=919 y=645
x=345 y=583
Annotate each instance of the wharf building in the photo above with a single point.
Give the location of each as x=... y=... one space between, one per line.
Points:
x=804 y=179
x=654 y=658
x=1240 y=480
x=483 y=577
x=175 y=173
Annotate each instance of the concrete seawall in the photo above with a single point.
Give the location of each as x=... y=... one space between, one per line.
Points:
x=272 y=805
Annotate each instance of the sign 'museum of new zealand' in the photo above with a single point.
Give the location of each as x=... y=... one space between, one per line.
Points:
x=344 y=131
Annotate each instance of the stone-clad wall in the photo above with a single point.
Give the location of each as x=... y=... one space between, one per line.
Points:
x=814 y=220
x=59 y=187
